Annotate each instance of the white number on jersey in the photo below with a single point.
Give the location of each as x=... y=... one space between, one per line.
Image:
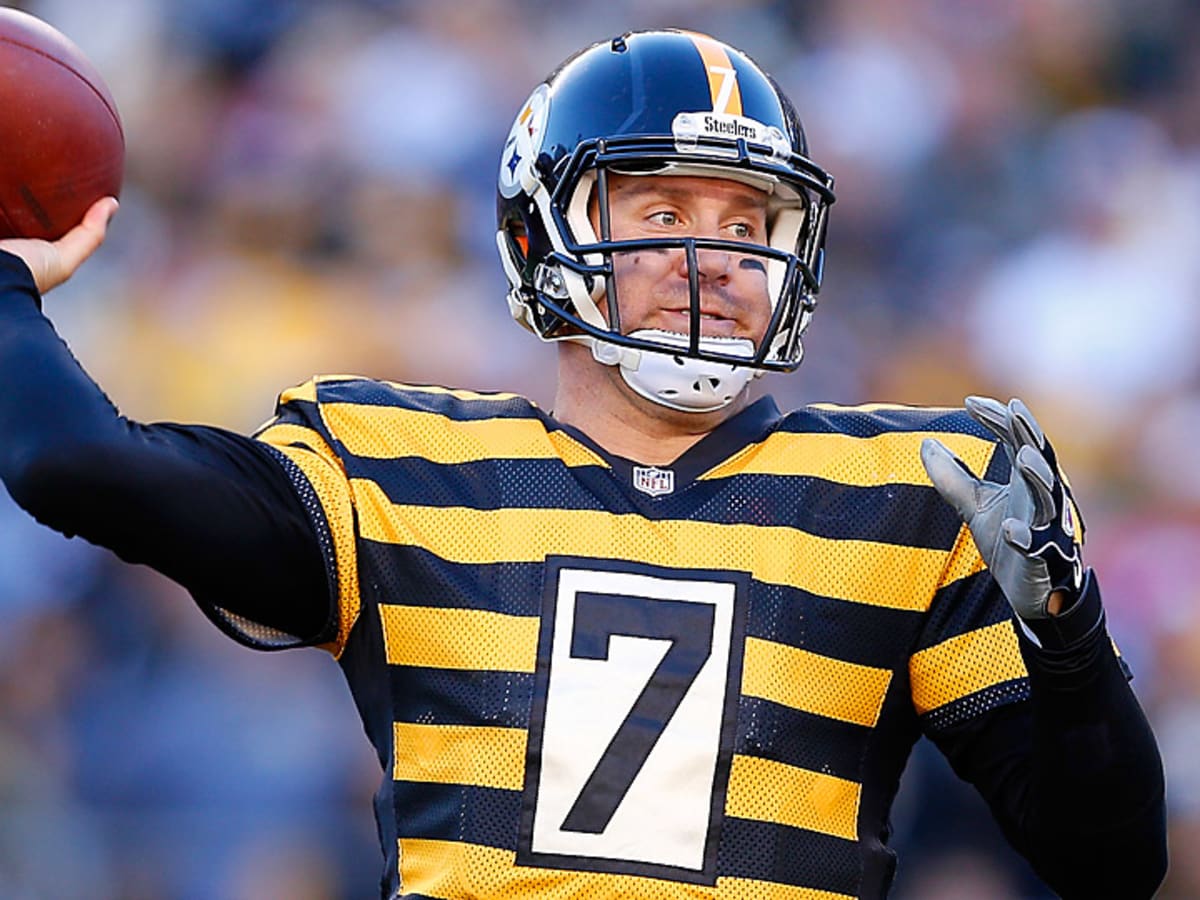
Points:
x=638 y=678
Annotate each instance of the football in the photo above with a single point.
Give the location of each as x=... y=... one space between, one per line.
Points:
x=63 y=145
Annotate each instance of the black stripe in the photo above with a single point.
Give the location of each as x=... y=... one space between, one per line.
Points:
x=457 y=812
x=998 y=467
x=899 y=514
x=795 y=856
x=964 y=605
x=417 y=577
x=364 y=392
x=770 y=731
x=485 y=484
x=756 y=850
x=972 y=705
x=301 y=413
x=877 y=636
x=871 y=423
x=460 y=697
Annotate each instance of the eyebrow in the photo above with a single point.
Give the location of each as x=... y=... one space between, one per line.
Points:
x=638 y=187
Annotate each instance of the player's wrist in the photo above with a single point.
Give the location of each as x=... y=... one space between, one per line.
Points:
x=16 y=276
x=1075 y=626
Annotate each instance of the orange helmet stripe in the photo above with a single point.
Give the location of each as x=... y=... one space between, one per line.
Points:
x=722 y=77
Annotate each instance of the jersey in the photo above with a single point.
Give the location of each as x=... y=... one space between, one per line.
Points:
x=585 y=677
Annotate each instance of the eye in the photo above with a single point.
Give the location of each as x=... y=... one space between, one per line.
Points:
x=664 y=217
x=743 y=231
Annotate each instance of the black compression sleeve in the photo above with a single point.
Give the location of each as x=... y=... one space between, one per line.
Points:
x=1074 y=775
x=211 y=509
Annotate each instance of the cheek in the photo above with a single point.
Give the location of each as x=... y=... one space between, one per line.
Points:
x=640 y=270
x=641 y=283
x=752 y=286
x=641 y=266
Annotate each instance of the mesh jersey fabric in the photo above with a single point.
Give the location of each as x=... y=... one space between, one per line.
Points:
x=577 y=689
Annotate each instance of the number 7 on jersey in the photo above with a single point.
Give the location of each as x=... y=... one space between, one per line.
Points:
x=632 y=730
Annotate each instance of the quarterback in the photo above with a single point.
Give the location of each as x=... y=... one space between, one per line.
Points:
x=661 y=640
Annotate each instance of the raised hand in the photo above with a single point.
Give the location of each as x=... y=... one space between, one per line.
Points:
x=53 y=262
x=1028 y=530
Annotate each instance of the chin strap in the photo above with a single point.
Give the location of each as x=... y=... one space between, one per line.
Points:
x=678 y=382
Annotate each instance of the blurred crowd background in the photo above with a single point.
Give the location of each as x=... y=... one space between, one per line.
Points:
x=310 y=189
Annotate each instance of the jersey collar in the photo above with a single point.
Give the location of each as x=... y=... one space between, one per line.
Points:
x=748 y=426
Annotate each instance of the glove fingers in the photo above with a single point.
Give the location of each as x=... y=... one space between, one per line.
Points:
x=951 y=477
x=1024 y=426
x=1039 y=477
x=993 y=416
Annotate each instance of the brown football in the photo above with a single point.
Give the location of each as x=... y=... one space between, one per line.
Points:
x=62 y=147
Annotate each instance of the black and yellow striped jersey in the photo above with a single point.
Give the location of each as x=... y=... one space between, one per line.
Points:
x=590 y=678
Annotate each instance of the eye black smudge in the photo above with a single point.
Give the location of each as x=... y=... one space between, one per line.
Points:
x=754 y=264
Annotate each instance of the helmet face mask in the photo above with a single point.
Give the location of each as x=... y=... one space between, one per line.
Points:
x=657 y=103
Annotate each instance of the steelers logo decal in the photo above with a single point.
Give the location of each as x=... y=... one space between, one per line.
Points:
x=524 y=142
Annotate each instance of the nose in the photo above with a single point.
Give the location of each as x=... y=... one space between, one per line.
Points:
x=712 y=266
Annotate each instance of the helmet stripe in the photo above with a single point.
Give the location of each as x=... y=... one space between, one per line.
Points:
x=722 y=76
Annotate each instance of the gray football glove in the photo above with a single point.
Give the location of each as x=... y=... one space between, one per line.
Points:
x=1027 y=531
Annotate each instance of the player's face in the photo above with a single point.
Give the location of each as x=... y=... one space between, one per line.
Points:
x=652 y=285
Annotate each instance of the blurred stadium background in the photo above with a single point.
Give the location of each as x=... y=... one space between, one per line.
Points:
x=310 y=189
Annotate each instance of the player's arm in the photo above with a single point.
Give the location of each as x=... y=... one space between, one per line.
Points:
x=213 y=510
x=1073 y=776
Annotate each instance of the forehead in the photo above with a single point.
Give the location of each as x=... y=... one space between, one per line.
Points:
x=686 y=189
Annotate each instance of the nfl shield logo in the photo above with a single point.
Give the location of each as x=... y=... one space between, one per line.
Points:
x=652 y=481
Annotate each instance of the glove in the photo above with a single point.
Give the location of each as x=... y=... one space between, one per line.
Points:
x=1028 y=531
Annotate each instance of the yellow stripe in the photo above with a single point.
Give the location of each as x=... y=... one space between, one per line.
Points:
x=285 y=434
x=455 y=871
x=460 y=754
x=816 y=684
x=964 y=559
x=387 y=432
x=859 y=571
x=770 y=791
x=573 y=453
x=306 y=391
x=718 y=66
x=892 y=458
x=459 y=639
x=965 y=664
x=329 y=483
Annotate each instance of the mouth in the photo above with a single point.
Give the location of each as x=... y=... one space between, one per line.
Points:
x=711 y=322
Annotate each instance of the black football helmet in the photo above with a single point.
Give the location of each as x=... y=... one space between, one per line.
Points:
x=657 y=102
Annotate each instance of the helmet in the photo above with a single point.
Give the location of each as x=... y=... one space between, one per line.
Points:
x=663 y=103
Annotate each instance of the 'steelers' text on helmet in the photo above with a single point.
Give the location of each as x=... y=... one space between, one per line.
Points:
x=657 y=102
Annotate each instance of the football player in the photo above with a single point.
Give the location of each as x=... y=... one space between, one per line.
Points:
x=661 y=640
